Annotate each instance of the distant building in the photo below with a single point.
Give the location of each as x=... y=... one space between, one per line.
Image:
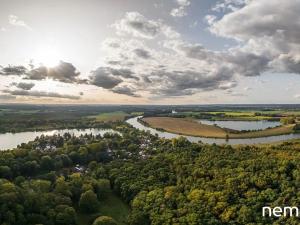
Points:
x=174 y=112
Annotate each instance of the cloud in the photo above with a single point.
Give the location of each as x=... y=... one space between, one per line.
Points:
x=176 y=68
x=122 y=72
x=40 y=94
x=142 y=53
x=13 y=70
x=235 y=94
x=188 y=82
x=228 y=5
x=210 y=19
x=63 y=72
x=297 y=96
x=247 y=88
x=23 y=86
x=102 y=77
x=7 y=97
x=125 y=90
x=180 y=11
x=15 y=21
x=137 y=25
x=267 y=30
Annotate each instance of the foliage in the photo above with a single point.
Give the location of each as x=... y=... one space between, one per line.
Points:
x=164 y=181
x=104 y=220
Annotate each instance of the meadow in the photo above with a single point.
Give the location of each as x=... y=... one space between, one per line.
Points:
x=110 y=117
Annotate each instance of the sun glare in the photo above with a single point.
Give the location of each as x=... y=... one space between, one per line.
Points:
x=47 y=55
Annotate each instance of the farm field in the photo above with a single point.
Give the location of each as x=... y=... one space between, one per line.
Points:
x=246 y=115
x=231 y=115
x=190 y=127
x=185 y=126
x=110 y=117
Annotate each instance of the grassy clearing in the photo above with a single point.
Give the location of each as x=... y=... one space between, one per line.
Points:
x=111 y=206
x=110 y=117
x=190 y=127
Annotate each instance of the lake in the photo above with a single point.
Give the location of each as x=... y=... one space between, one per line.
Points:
x=12 y=140
x=242 y=125
x=261 y=140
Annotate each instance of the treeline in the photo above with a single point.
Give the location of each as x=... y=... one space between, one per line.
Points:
x=23 y=124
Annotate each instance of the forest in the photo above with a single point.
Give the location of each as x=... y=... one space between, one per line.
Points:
x=161 y=181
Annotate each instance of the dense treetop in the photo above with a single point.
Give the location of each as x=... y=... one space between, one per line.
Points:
x=163 y=181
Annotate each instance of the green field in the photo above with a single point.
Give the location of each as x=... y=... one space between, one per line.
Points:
x=111 y=206
x=230 y=115
x=110 y=117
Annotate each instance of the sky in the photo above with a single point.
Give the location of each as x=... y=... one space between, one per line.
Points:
x=150 y=51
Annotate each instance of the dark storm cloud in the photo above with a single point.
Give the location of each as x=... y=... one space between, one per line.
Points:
x=40 y=94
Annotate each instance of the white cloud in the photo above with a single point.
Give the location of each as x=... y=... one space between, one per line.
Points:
x=40 y=94
x=269 y=30
x=228 y=5
x=210 y=19
x=180 y=11
x=137 y=25
x=15 y=21
x=297 y=96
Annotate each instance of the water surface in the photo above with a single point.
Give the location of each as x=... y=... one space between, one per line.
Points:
x=12 y=140
x=242 y=125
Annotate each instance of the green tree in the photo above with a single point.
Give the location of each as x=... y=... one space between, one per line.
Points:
x=88 y=202
x=5 y=172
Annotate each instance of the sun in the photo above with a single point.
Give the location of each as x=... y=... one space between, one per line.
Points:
x=48 y=55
